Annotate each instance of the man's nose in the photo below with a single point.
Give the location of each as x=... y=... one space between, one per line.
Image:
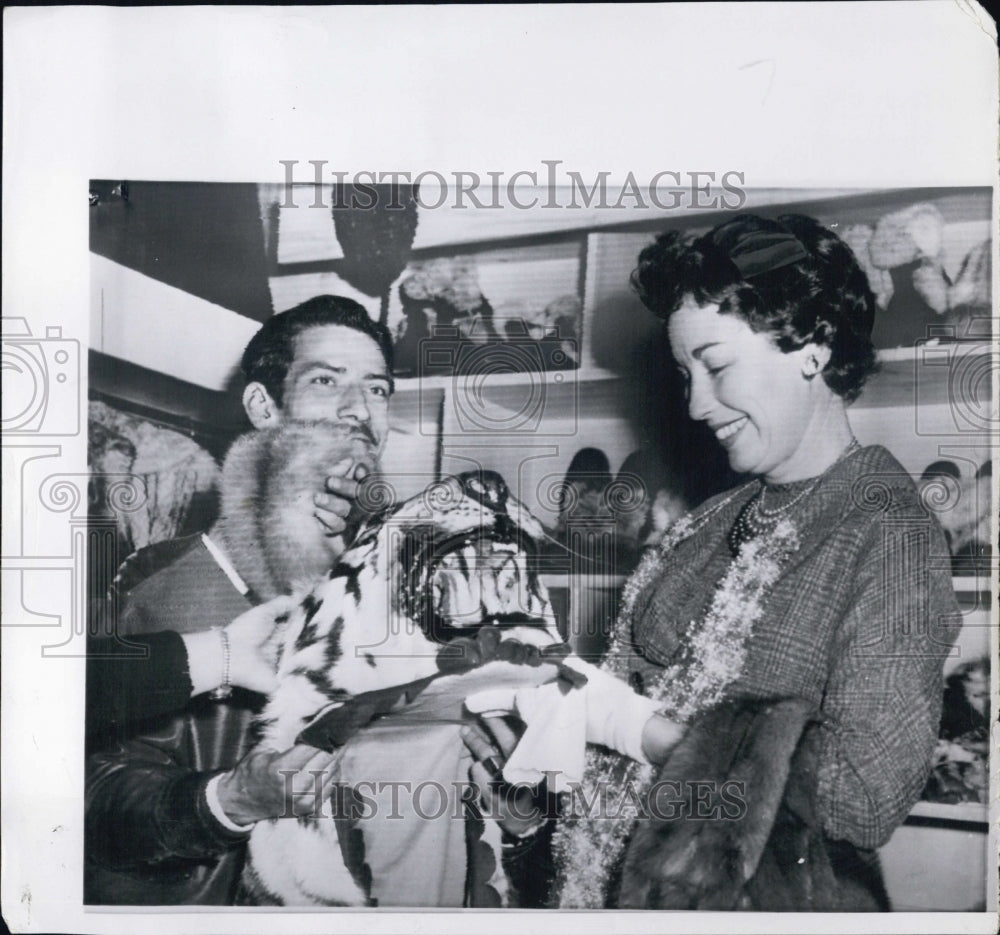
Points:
x=353 y=404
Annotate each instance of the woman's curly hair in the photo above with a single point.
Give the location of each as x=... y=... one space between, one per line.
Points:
x=823 y=297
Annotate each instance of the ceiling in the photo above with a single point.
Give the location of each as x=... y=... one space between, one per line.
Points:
x=204 y=238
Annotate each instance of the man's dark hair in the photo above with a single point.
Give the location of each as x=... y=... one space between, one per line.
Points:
x=270 y=352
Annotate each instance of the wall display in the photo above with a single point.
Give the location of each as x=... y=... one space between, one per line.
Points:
x=535 y=150
x=513 y=311
x=961 y=760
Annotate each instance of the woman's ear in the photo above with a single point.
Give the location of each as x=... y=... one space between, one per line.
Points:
x=814 y=358
x=261 y=409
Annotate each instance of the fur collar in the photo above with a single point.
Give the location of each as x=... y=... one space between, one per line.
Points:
x=267 y=526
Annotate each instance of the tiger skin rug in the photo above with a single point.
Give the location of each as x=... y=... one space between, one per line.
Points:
x=404 y=603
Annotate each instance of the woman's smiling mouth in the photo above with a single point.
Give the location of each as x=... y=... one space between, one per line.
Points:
x=727 y=431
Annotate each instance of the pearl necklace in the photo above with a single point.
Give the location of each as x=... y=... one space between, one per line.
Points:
x=754 y=520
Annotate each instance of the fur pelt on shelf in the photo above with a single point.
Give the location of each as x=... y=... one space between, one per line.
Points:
x=745 y=834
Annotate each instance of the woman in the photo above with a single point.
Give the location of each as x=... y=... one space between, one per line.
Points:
x=811 y=582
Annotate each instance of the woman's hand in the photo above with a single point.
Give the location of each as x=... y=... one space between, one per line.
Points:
x=614 y=715
x=514 y=807
x=659 y=736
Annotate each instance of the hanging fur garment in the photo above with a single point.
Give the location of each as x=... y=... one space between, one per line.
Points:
x=761 y=845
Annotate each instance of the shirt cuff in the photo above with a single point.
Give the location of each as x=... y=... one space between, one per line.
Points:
x=205 y=660
x=215 y=807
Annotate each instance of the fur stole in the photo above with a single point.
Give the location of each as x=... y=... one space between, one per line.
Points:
x=732 y=822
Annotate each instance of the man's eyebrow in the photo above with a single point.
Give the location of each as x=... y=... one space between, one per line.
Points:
x=311 y=365
x=321 y=365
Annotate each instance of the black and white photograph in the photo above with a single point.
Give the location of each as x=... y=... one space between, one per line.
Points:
x=513 y=540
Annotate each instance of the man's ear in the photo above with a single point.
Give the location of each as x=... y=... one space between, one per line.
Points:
x=814 y=358
x=261 y=409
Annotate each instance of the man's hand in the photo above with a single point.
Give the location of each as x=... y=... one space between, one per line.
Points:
x=516 y=812
x=334 y=506
x=294 y=783
x=252 y=651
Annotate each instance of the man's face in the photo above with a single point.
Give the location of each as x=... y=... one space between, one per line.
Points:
x=338 y=375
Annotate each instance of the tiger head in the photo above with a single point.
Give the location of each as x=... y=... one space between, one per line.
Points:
x=459 y=555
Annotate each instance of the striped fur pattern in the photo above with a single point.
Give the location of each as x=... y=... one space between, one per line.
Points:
x=365 y=627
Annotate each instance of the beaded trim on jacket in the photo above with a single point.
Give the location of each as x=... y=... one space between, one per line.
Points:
x=587 y=848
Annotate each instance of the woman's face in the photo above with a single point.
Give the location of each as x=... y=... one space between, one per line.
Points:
x=754 y=397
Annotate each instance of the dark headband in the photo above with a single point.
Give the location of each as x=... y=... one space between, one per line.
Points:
x=756 y=252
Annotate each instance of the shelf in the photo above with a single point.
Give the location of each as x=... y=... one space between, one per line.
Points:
x=977 y=345
x=607 y=581
x=548 y=378
x=491 y=398
x=934 y=373
x=966 y=584
x=971 y=812
x=970 y=582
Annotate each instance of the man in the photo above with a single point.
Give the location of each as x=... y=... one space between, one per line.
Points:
x=169 y=810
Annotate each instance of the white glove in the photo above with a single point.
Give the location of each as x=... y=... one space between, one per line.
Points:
x=560 y=723
x=555 y=739
x=616 y=715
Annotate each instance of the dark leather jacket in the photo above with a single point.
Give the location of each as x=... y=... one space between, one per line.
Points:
x=150 y=838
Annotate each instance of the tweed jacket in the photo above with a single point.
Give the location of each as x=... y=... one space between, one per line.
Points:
x=859 y=623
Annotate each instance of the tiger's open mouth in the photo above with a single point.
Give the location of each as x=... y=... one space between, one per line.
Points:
x=477 y=581
x=471 y=579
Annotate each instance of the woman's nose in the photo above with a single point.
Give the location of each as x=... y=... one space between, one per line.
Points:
x=700 y=398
